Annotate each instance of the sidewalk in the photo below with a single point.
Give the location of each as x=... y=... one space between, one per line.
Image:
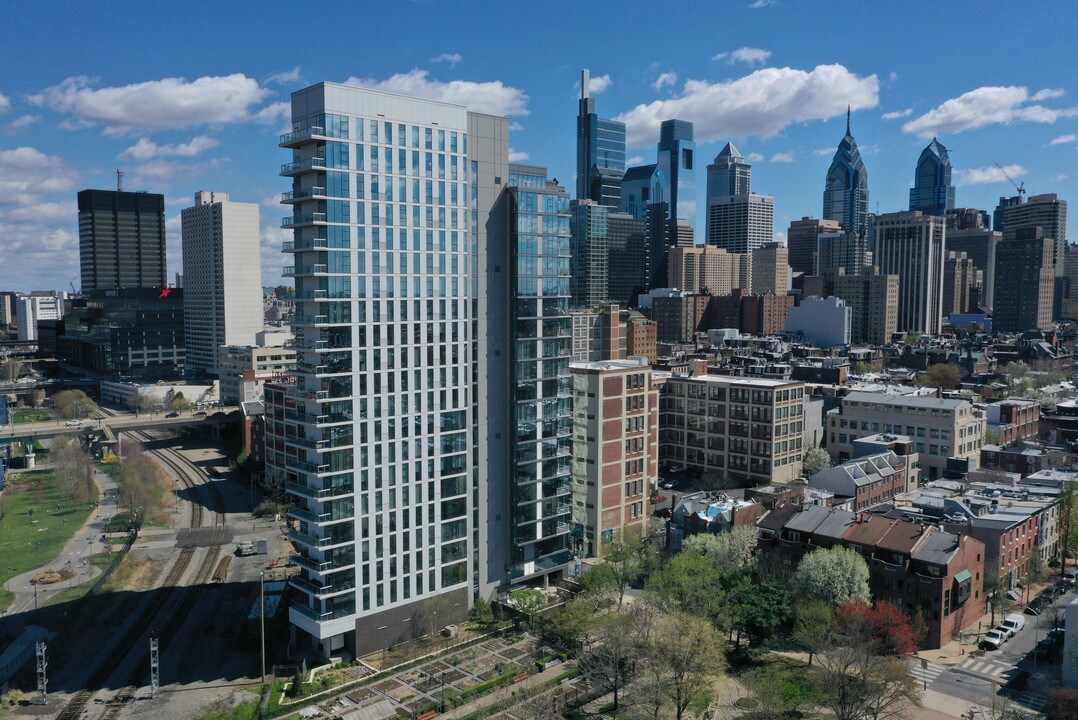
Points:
x=75 y=555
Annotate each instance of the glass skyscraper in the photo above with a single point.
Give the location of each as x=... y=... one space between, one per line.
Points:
x=379 y=437
x=536 y=446
x=932 y=192
x=600 y=152
x=642 y=185
x=729 y=174
x=845 y=195
x=677 y=161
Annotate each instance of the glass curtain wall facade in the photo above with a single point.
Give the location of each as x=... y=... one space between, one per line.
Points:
x=845 y=195
x=600 y=152
x=378 y=434
x=932 y=192
x=677 y=161
x=541 y=337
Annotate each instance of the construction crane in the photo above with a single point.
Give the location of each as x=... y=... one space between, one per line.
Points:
x=1021 y=188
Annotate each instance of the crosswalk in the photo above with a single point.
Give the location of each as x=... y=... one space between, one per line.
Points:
x=926 y=672
x=986 y=667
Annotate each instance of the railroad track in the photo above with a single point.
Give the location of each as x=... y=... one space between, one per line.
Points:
x=137 y=631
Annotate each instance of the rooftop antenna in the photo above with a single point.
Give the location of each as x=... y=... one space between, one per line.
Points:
x=585 y=81
x=119 y=180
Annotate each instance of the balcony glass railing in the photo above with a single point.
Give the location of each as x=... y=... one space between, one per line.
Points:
x=322 y=617
x=302 y=135
x=294 y=168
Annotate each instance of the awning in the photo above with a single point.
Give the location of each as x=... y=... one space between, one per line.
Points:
x=963 y=576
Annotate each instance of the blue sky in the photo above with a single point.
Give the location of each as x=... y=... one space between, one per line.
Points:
x=192 y=96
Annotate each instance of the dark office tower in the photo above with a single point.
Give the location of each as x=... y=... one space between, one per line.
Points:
x=626 y=253
x=1024 y=282
x=802 y=238
x=121 y=240
x=845 y=195
x=729 y=174
x=658 y=237
x=641 y=186
x=588 y=247
x=932 y=192
x=600 y=152
x=677 y=160
x=979 y=245
x=1044 y=211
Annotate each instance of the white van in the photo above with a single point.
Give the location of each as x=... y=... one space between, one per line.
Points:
x=1013 y=623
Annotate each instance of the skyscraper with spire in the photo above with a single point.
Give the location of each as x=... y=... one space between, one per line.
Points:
x=600 y=151
x=932 y=192
x=738 y=220
x=729 y=174
x=845 y=195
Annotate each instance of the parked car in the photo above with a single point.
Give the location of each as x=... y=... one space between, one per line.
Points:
x=1062 y=587
x=73 y=423
x=663 y=512
x=994 y=639
x=677 y=469
x=200 y=413
x=1013 y=623
x=173 y=414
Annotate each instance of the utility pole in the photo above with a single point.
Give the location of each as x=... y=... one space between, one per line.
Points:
x=262 y=618
x=42 y=672
x=155 y=667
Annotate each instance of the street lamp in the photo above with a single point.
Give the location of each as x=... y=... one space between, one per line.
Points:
x=262 y=618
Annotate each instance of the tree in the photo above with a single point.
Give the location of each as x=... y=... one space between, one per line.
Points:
x=73 y=467
x=728 y=551
x=11 y=369
x=687 y=652
x=73 y=403
x=862 y=368
x=833 y=576
x=609 y=661
x=882 y=628
x=435 y=612
x=528 y=601
x=573 y=627
x=689 y=583
x=812 y=628
x=855 y=684
x=624 y=557
x=1062 y=705
x=816 y=459
x=941 y=375
x=180 y=404
x=759 y=610
x=995 y=590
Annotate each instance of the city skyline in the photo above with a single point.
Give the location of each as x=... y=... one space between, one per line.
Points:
x=177 y=122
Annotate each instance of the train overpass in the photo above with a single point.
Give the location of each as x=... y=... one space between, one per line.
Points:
x=120 y=423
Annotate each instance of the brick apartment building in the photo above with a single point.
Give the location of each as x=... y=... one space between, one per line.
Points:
x=921 y=569
x=615 y=448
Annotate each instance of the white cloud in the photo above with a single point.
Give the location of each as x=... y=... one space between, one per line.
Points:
x=27 y=174
x=5 y=104
x=1047 y=94
x=634 y=161
x=985 y=106
x=515 y=126
x=599 y=84
x=451 y=58
x=273 y=113
x=754 y=157
x=779 y=236
x=892 y=76
x=515 y=156
x=146 y=149
x=989 y=175
x=23 y=120
x=666 y=78
x=824 y=151
x=1065 y=139
x=761 y=103
x=1060 y=177
x=283 y=78
x=494 y=97
x=155 y=105
x=757 y=4
x=897 y=114
x=782 y=158
x=158 y=174
x=747 y=55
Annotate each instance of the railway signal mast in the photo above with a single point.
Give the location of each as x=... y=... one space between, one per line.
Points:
x=42 y=672
x=155 y=667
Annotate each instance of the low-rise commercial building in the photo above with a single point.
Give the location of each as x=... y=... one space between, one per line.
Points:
x=244 y=370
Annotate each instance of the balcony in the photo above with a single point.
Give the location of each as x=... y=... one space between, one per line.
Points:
x=302 y=166
x=301 y=136
x=321 y=591
x=321 y=617
x=292 y=221
x=301 y=245
x=294 y=196
x=320 y=494
x=318 y=543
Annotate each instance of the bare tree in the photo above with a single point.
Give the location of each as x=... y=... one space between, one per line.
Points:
x=856 y=684
x=687 y=651
x=608 y=663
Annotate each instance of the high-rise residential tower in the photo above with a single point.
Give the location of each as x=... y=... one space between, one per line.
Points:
x=1024 y=282
x=600 y=151
x=530 y=416
x=932 y=192
x=677 y=161
x=589 y=284
x=979 y=244
x=845 y=195
x=911 y=245
x=381 y=439
x=802 y=238
x=222 y=269
x=121 y=240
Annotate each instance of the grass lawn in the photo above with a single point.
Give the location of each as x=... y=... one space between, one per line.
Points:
x=35 y=490
x=29 y=415
x=76 y=592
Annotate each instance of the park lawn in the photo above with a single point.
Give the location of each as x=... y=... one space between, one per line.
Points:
x=29 y=415
x=76 y=592
x=39 y=491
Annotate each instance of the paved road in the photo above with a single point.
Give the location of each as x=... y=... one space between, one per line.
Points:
x=978 y=679
x=122 y=421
